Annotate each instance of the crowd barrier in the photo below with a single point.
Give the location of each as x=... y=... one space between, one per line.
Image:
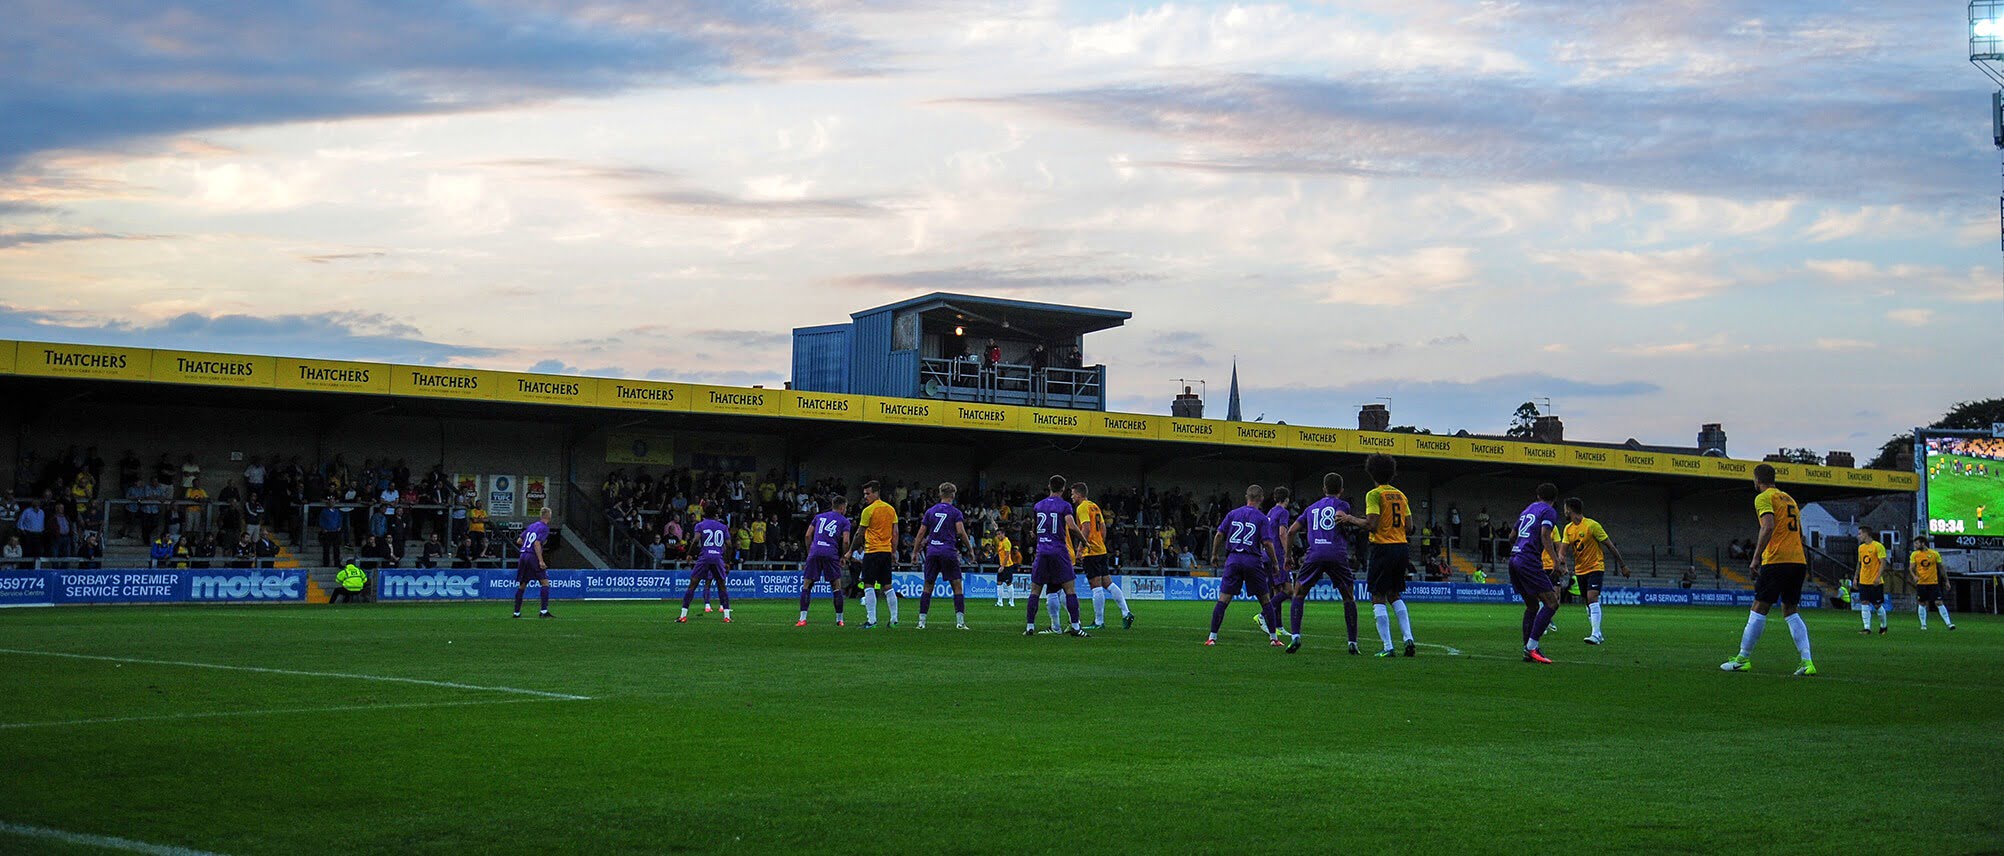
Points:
x=46 y=588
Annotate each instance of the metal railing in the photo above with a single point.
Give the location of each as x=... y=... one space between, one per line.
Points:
x=969 y=379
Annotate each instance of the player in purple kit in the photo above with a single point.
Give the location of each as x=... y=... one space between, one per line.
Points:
x=944 y=532
x=1052 y=570
x=828 y=540
x=712 y=539
x=1245 y=539
x=530 y=565
x=1328 y=554
x=1278 y=518
x=1537 y=533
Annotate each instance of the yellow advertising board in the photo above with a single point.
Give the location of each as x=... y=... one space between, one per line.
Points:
x=1254 y=434
x=1685 y=465
x=1429 y=446
x=214 y=369
x=1729 y=468
x=735 y=400
x=1319 y=439
x=1194 y=430
x=1896 y=480
x=332 y=376
x=82 y=361
x=1069 y=423
x=438 y=382
x=1487 y=449
x=1590 y=458
x=1133 y=426
x=545 y=389
x=7 y=358
x=819 y=405
x=1375 y=442
x=903 y=411
x=1642 y=461
x=988 y=417
x=643 y=395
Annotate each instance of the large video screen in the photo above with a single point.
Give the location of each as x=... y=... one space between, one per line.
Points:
x=1965 y=489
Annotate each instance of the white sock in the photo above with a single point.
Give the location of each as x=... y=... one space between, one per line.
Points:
x=1099 y=606
x=891 y=598
x=1884 y=618
x=803 y=615
x=1923 y=616
x=1119 y=598
x=1531 y=645
x=870 y=605
x=1756 y=622
x=1944 y=614
x=727 y=611
x=685 y=612
x=1867 y=613
x=1405 y=621
x=1799 y=631
x=1055 y=604
x=960 y=618
x=1593 y=615
x=1384 y=618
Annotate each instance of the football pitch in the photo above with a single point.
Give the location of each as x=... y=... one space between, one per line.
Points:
x=454 y=729
x=1954 y=497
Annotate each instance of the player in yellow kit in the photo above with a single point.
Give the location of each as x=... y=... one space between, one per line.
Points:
x=1871 y=577
x=1779 y=567
x=1092 y=521
x=1388 y=518
x=879 y=523
x=1005 y=572
x=1587 y=545
x=1924 y=570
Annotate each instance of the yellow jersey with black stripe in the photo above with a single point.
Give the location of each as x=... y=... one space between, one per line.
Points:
x=1092 y=521
x=1584 y=538
x=1871 y=562
x=1393 y=511
x=1784 y=544
x=1926 y=565
x=880 y=527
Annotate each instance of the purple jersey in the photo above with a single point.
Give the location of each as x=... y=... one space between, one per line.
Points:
x=1052 y=537
x=1537 y=517
x=829 y=527
x=1246 y=531
x=711 y=536
x=942 y=532
x=1325 y=542
x=537 y=533
x=1277 y=520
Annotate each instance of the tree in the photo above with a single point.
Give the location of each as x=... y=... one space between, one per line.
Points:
x=1965 y=415
x=1522 y=421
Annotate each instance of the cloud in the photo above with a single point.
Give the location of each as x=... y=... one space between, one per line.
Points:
x=1971 y=286
x=11 y=240
x=1646 y=278
x=1911 y=317
x=975 y=277
x=1442 y=405
x=330 y=335
x=1396 y=280
x=1839 y=344
x=556 y=366
x=769 y=378
x=96 y=75
x=710 y=203
x=1720 y=138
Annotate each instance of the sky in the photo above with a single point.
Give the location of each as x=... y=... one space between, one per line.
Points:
x=1777 y=215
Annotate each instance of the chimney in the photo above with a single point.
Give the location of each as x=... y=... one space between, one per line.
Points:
x=1374 y=417
x=1187 y=406
x=1840 y=459
x=1548 y=429
x=1712 y=440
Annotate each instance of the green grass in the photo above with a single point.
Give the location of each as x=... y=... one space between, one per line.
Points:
x=1954 y=497
x=762 y=738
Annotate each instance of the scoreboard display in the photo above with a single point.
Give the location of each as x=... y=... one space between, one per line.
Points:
x=1962 y=479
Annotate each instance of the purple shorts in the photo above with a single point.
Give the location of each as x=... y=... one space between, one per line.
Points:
x=940 y=566
x=823 y=568
x=1337 y=570
x=1530 y=578
x=711 y=569
x=529 y=571
x=1052 y=570
x=1244 y=572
